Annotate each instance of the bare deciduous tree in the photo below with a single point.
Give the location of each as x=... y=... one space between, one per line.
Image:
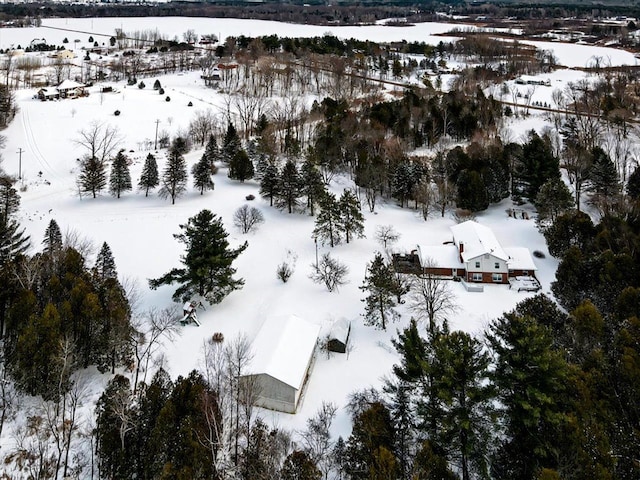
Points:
x=386 y=235
x=247 y=218
x=202 y=126
x=147 y=334
x=430 y=296
x=329 y=271
x=316 y=439
x=100 y=140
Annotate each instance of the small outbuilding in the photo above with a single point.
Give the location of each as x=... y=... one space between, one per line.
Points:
x=284 y=349
x=338 y=338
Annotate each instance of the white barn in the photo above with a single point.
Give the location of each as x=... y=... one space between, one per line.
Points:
x=284 y=349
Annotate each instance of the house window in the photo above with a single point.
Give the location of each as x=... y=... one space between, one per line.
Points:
x=497 y=277
x=477 y=264
x=497 y=264
x=525 y=273
x=477 y=277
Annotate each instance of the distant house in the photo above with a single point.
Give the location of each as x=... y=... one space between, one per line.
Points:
x=48 y=93
x=474 y=255
x=284 y=350
x=528 y=80
x=338 y=338
x=71 y=89
x=65 y=55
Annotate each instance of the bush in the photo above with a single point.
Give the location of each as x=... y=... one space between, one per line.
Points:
x=538 y=254
x=190 y=104
x=161 y=91
x=329 y=271
x=116 y=113
x=217 y=337
x=141 y=85
x=284 y=272
x=167 y=99
x=250 y=197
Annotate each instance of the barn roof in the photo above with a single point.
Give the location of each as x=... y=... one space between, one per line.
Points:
x=283 y=347
x=478 y=240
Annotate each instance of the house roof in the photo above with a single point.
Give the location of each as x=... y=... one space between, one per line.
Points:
x=439 y=256
x=520 y=259
x=69 y=85
x=283 y=347
x=477 y=240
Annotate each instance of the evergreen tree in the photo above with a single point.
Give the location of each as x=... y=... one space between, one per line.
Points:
x=351 y=219
x=230 y=144
x=530 y=378
x=553 y=200
x=93 y=176
x=402 y=183
x=174 y=177
x=538 y=165
x=13 y=241
x=201 y=172
x=604 y=185
x=571 y=229
x=37 y=367
x=472 y=193
x=9 y=198
x=270 y=183
x=211 y=152
x=52 y=238
x=115 y=423
x=240 y=166
x=120 y=180
x=298 y=466
x=327 y=225
x=207 y=263
x=149 y=178
x=288 y=190
x=633 y=184
x=379 y=281
x=371 y=444
x=465 y=396
x=105 y=266
x=311 y=184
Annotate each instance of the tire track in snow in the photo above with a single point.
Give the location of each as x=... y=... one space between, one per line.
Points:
x=33 y=145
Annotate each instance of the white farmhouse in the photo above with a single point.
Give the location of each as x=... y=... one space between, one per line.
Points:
x=283 y=349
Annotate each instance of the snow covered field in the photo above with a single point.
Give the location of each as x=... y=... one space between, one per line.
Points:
x=139 y=230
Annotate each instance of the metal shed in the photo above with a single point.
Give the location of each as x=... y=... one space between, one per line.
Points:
x=284 y=349
x=339 y=336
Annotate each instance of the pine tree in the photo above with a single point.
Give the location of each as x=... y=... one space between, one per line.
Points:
x=149 y=178
x=402 y=183
x=240 y=166
x=211 y=152
x=530 y=378
x=351 y=218
x=93 y=176
x=174 y=177
x=13 y=241
x=9 y=198
x=461 y=370
x=105 y=266
x=311 y=184
x=604 y=185
x=553 y=200
x=327 y=225
x=231 y=143
x=270 y=183
x=380 y=283
x=288 y=190
x=120 y=180
x=299 y=466
x=633 y=184
x=201 y=172
x=207 y=263
x=538 y=165
x=52 y=238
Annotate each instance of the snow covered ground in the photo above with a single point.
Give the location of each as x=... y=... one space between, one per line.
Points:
x=139 y=230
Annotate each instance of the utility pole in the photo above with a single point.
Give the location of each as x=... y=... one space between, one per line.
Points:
x=155 y=146
x=19 y=152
